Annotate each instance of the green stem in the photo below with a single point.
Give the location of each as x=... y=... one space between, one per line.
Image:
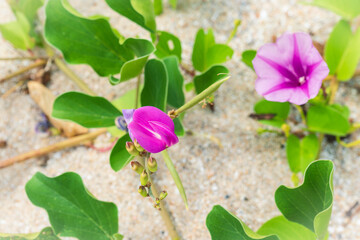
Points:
x=303 y=118
x=348 y=145
x=175 y=175
x=237 y=23
x=63 y=67
x=200 y=96
x=137 y=90
x=164 y=211
x=78 y=81
x=21 y=58
x=23 y=70
x=334 y=86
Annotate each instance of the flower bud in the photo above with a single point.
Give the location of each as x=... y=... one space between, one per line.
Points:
x=137 y=167
x=144 y=178
x=130 y=147
x=157 y=201
x=137 y=146
x=152 y=164
x=163 y=195
x=142 y=191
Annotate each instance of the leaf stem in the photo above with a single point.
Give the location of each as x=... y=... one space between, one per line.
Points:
x=21 y=58
x=164 y=211
x=348 y=145
x=334 y=86
x=53 y=148
x=175 y=176
x=301 y=111
x=63 y=67
x=23 y=70
x=137 y=90
x=200 y=97
x=78 y=81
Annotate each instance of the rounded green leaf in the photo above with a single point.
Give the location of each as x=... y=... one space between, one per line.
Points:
x=300 y=153
x=278 y=109
x=84 y=40
x=286 y=230
x=223 y=225
x=331 y=119
x=247 y=57
x=119 y=156
x=156 y=83
x=88 y=111
x=168 y=45
x=176 y=97
x=45 y=234
x=346 y=8
x=207 y=53
x=140 y=12
x=73 y=212
x=311 y=203
x=342 y=50
x=212 y=75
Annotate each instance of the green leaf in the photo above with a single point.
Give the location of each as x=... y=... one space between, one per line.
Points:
x=281 y=111
x=179 y=128
x=207 y=53
x=342 y=52
x=132 y=68
x=223 y=225
x=155 y=88
x=176 y=97
x=88 y=111
x=189 y=86
x=286 y=230
x=27 y=7
x=158 y=7
x=119 y=156
x=300 y=153
x=331 y=119
x=175 y=176
x=346 y=8
x=168 y=45
x=247 y=57
x=45 y=234
x=18 y=32
x=212 y=75
x=139 y=11
x=92 y=41
x=309 y=204
x=73 y=212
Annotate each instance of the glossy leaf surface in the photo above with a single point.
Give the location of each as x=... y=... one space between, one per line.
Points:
x=279 y=110
x=311 y=203
x=156 y=83
x=140 y=12
x=73 y=212
x=212 y=75
x=88 y=111
x=223 y=225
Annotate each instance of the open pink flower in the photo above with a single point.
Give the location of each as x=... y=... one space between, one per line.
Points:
x=152 y=128
x=290 y=70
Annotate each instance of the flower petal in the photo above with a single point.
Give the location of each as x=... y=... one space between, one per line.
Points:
x=166 y=134
x=128 y=115
x=148 y=140
x=145 y=114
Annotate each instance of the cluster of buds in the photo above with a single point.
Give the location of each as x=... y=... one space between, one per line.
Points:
x=162 y=196
x=135 y=149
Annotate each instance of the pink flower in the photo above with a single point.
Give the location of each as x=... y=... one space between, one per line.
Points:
x=152 y=128
x=290 y=70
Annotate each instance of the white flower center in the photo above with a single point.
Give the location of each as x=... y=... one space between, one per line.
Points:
x=302 y=80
